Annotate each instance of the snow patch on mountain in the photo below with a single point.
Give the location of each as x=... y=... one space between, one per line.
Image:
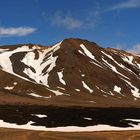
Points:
x=83 y=75
x=77 y=90
x=39 y=115
x=90 y=55
x=56 y=92
x=109 y=56
x=128 y=59
x=113 y=68
x=87 y=52
x=60 y=75
x=86 y=118
x=117 y=89
x=39 y=65
x=134 y=90
x=15 y=83
x=3 y=50
x=38 y=96
x=87 y=87
x=9 y=88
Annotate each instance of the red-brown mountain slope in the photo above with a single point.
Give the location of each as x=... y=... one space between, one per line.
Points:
x=73 y=72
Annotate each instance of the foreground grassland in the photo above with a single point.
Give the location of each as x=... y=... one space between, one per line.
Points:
x=16 y=134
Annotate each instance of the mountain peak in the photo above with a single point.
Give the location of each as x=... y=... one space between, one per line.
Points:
x=75 y=43
x=78 y=40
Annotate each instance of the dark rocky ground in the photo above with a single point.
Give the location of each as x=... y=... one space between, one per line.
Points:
x=69 y=116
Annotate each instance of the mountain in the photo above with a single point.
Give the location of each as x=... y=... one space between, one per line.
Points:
x=73 y=72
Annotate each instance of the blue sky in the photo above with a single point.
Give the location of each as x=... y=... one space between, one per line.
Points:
x=110 y=23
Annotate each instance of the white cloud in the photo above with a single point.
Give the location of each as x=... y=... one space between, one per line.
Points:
x=126 y=4
x=92 y=18
x=16 y=31
x=69 y=22
x=135 y=49
x=66 y=21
